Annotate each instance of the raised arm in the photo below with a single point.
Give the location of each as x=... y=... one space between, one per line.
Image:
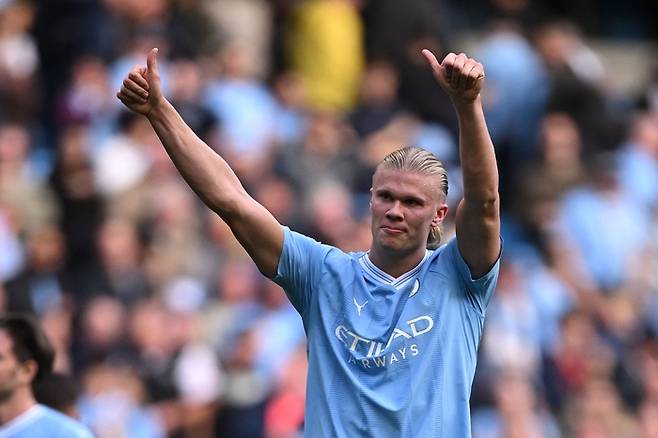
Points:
x=478 y=214
x=204 y=170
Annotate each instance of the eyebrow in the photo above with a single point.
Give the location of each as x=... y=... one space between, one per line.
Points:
x=414 y=198
x=385 y=191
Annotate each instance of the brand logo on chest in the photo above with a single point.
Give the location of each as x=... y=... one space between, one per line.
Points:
x=359 y=307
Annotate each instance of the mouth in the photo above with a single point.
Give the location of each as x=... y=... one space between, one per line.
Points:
x=393 y=231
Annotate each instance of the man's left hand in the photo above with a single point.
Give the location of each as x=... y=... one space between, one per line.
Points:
x=460 y=76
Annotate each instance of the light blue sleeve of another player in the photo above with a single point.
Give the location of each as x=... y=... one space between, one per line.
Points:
x=300 y=267
x=479 y=290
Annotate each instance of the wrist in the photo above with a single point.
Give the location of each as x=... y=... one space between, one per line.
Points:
x=462 y=103
x=158 y=109
x=466 y=109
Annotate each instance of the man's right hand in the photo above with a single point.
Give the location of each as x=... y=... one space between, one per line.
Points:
x=141 y=91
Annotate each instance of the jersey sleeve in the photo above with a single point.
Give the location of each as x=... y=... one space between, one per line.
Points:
x=477 y=290
x=300 y=267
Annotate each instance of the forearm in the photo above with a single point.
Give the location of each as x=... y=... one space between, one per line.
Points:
x=202 y=168
x=477 y=156
x=478 y=215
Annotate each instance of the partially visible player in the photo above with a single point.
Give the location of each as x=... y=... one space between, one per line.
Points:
x=26 y=356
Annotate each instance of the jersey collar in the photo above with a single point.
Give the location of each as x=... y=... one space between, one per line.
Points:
x=382 y=277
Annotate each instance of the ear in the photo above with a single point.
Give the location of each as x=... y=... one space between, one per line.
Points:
x=371 y=194
x=441 y=213
x=28 y=371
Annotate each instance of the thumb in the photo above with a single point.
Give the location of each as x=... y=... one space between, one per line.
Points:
x=152 y=63
x=438 y=70
x=431 y=59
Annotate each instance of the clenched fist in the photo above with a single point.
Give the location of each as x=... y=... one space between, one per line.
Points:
x=460 y=76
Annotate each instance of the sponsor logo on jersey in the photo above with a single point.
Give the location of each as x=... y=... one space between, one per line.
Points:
x=367 y=352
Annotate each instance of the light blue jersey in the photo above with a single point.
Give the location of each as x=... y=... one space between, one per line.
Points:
x=387 y=357
x=43 y=422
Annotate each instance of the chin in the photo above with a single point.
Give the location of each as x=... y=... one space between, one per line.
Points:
x=392 y=244
x=400 y=245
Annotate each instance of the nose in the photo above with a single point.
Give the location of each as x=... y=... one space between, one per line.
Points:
x=395 y=212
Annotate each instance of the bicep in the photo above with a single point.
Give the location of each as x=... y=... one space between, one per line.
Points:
x=259 y=233
x=478 y=235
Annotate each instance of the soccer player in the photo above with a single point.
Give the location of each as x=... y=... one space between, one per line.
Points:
x=26 y=356
x=393 y=332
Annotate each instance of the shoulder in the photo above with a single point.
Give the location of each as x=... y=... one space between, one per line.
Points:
x=62 y=425
x=302 y=255
x=292 y=237
x=444 y=253
x=449 y=256
x=294 y=240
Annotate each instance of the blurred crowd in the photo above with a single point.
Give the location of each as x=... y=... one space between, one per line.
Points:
x=155 y=310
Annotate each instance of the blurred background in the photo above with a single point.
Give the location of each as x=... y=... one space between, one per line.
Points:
x=165 y=327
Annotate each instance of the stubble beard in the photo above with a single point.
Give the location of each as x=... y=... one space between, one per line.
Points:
x=8 y=390
x=6 y=394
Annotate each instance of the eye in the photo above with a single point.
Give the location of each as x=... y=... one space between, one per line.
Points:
x=385 y=196
x=412 y=202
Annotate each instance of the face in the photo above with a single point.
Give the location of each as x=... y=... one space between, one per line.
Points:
x=13 y=374
x=404 y=206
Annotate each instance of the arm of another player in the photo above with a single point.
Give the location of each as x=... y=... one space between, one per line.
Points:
x=203 y=169
x=478 y=214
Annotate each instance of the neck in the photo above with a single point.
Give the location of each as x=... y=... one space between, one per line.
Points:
x=395 y=263
x=16 y=404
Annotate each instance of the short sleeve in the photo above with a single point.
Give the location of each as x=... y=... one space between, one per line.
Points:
x=479 y=290
x=300 y=267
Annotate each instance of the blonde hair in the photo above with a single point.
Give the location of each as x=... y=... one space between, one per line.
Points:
x=415 y=159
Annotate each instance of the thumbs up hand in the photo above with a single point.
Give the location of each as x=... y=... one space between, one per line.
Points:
x=460 y=76
x=141 y=91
